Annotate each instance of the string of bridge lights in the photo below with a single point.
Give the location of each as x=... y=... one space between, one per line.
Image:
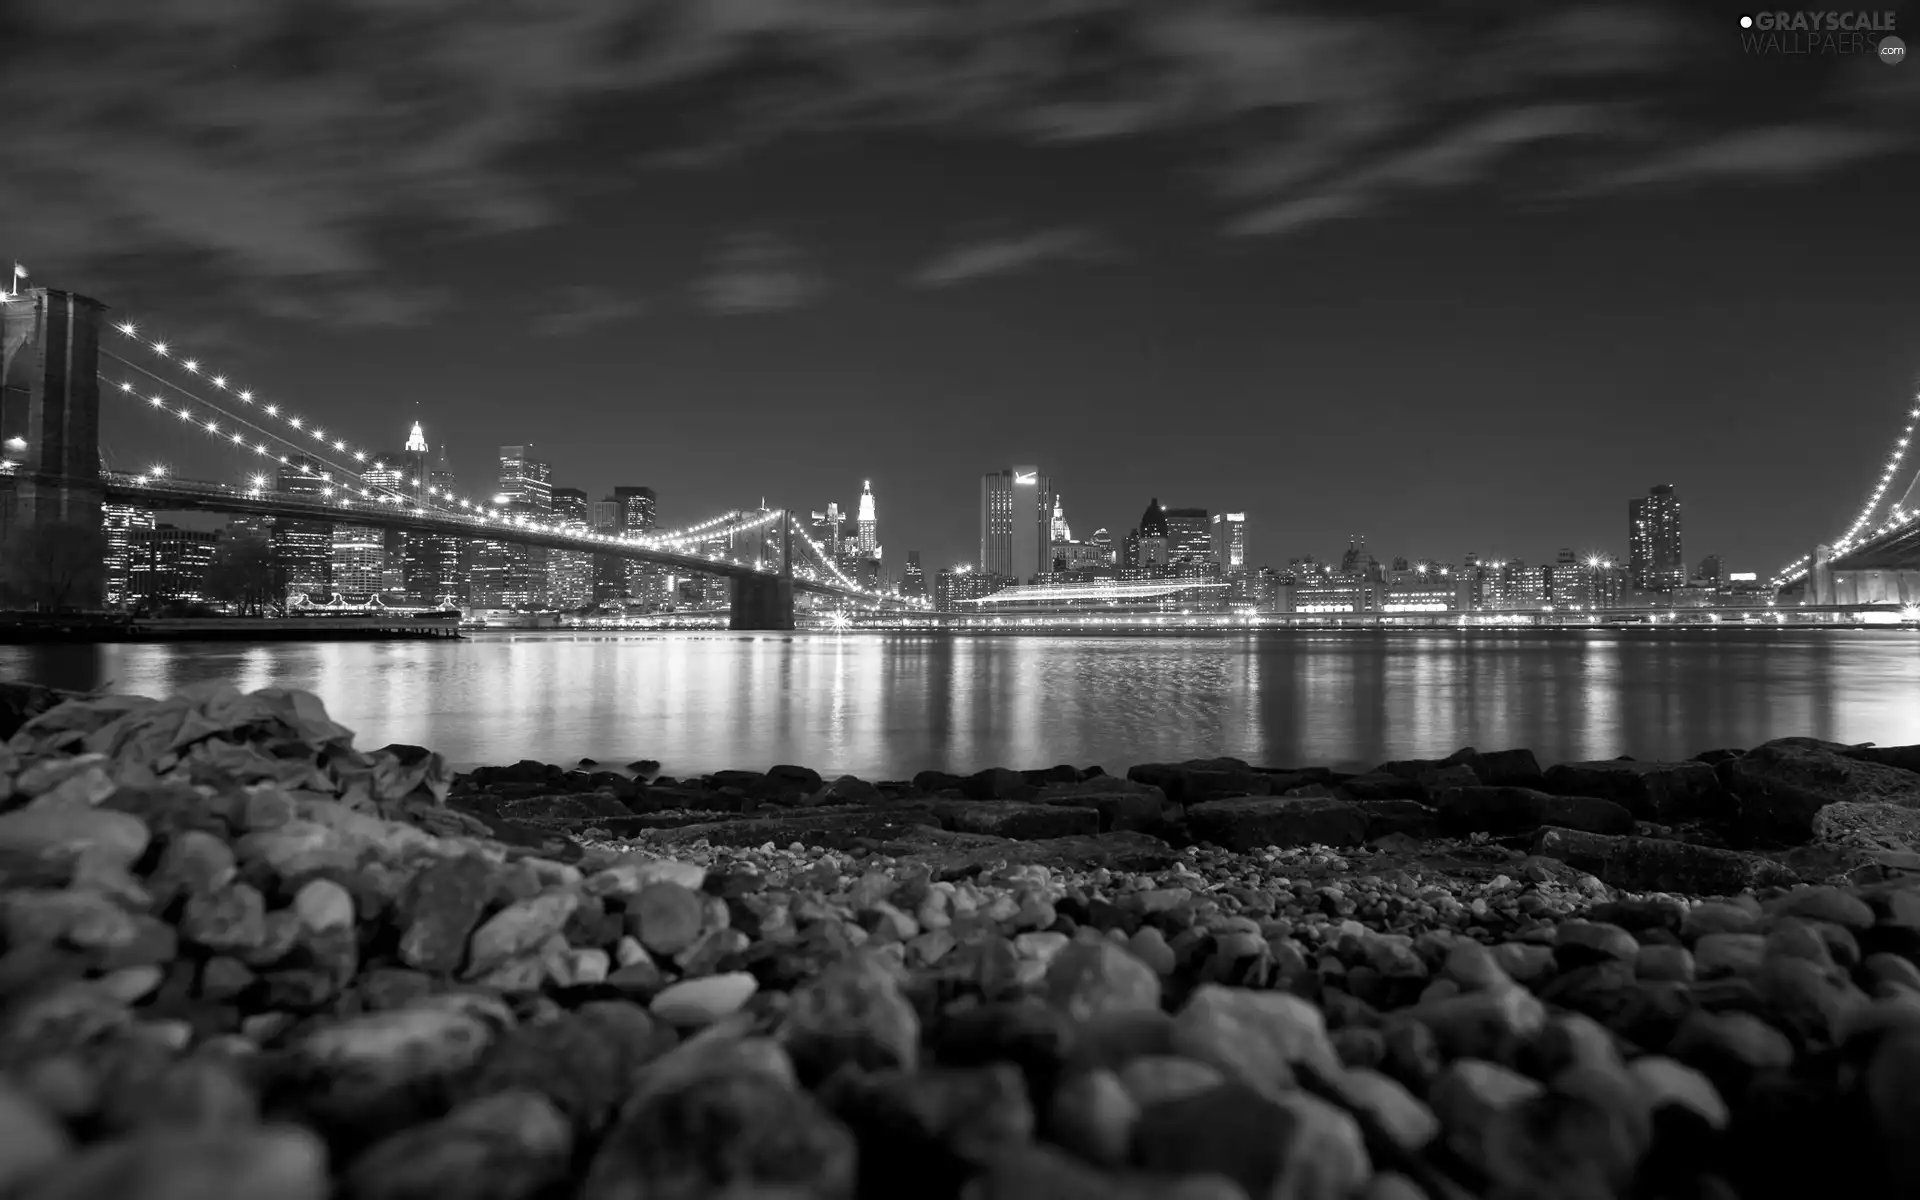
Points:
x=1899 y=517
x=673 y=541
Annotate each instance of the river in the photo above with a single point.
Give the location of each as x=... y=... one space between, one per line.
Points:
x=883 y=706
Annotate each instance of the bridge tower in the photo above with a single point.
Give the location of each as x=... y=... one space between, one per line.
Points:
x=766 y=601
x=50 y=399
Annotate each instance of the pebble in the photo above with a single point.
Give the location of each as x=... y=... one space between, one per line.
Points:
x=440 y=986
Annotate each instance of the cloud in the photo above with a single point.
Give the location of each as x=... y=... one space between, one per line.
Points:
x=1779 y=151
x=348 y=303
x=1009 y=255
x=278 y=142
x=757 y=272
x=583 y=307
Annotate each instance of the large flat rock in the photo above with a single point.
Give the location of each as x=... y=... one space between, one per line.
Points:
x=1655 y=865
x=1252 y=822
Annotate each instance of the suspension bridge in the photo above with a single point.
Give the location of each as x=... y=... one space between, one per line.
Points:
x=64 y=359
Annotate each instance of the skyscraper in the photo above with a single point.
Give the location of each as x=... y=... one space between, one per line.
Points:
x=1229 y=542
x=120 y=521
x=165 y=564
x=913 y=582
x=1016 y=519
x=640 y=507
x=1153 y=540
x=570 y=572
x=1190 y=535
x=1655 y=562
x=869 y=524
x=526 y=490
x=303 y=550
x=386 y=477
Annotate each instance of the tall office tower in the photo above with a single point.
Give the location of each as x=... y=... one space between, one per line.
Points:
x=1228 y=542
x=1153 y=544
x=119 y=522
x=1653 y=537
x=385 y=477
x=825 y=528
x=413 y=464
x=1016 y=523
x=869 y=524
x=359 y=561
x=446 y=563
x=1102 y=542
x=608 y=518
x=570 y=572
x=526 y=490
x=914 y=581
x=1059 y=532
x=166 y=564
x=303 y=549
x=645 y=582
x=1191 y=535
x=1713 y=569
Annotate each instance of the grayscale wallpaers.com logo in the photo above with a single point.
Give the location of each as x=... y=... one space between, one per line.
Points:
x=1823 y=33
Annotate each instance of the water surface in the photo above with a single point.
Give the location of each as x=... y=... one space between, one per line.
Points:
x=887 y=705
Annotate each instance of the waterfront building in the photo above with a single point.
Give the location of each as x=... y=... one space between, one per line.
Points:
x=167 y=565
x=953 y=586
x=570 y=572
x=1228 y=542
x=1712 y=571
x=1330 y=593
x=1189 y=535
x=119 y=522
x=434 y=568
x=1184 y=595
x=303 y=549
x=1016 y=522
x=359 y=561
x=1656 y=563
x=913 y=583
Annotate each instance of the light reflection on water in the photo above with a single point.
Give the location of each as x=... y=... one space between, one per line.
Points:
x=887 y=705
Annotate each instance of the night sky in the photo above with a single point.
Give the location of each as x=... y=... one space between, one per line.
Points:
x=1461 y=279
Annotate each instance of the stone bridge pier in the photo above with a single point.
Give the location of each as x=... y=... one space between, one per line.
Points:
x=50 y=418
x=766 y=601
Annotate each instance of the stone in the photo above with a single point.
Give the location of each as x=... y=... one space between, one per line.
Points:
x=265 y=1164
x=1092 y=978
x=439 y=912
x=518 y=929
x=854 y=1012
x=1287 y=1144
x=666 y=917
x=1650 y=791
x=1667 y=1083
x=1256 y=1037
x=1248 y=824
x=64 y=834
x=32 y=1140
x=1471 y=1096
x=1023 y=821
x=1400 y=1115
x=1658 y=865
x=232 y=919
x=1779 y=787
x=695 y=1002
x=1093 y=1114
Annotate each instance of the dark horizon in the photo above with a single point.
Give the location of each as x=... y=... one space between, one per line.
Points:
x=1452 y=286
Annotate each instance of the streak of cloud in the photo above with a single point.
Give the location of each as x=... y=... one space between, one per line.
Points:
x=758 y=272
x=1009 y=255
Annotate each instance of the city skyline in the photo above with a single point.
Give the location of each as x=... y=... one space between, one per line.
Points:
x=1417 y=319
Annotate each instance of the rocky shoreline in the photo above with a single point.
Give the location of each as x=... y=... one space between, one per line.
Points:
x=242 y=958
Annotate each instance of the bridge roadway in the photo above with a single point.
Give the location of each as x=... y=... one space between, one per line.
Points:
x=195 y=495
x=1897 y=550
